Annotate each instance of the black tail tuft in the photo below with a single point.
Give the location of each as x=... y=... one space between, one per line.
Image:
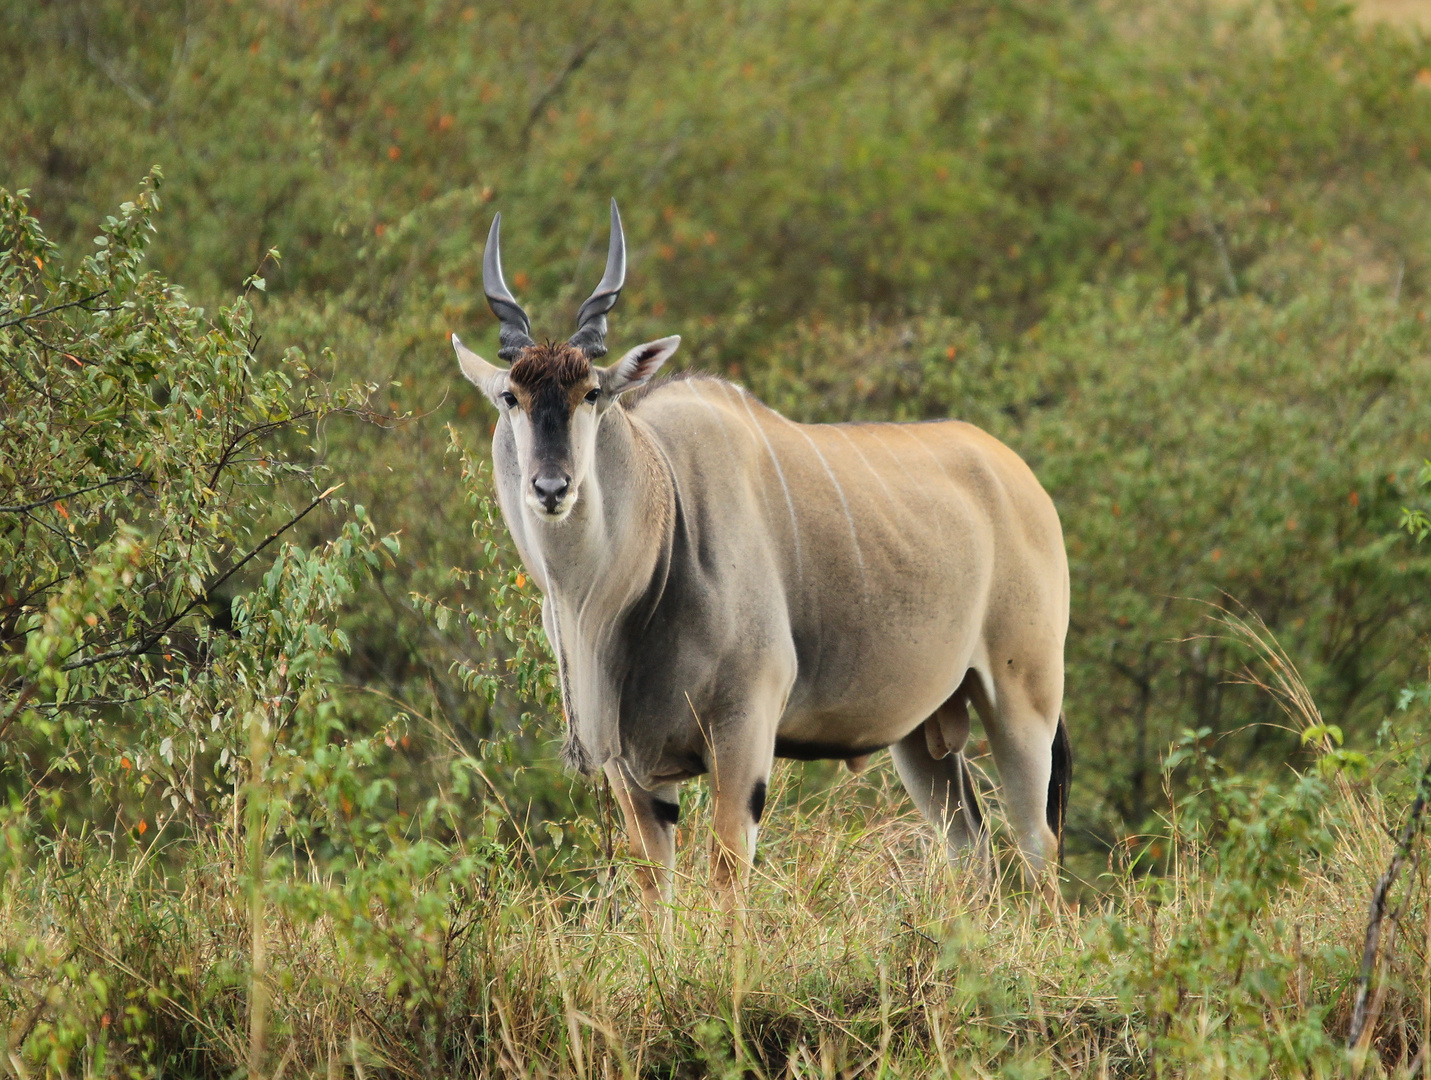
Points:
x=1059 y=782
x=575 y=757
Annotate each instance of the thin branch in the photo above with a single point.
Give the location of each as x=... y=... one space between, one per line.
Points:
x=249 y=435
x=149 y=640
x=1360 y=1012
x=71 y=494
x=139 y=97
x=26 y=693
x=572 y=67
x=915 y=930
x=46 y=311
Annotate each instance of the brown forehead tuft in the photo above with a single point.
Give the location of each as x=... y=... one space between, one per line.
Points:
x=551 y=363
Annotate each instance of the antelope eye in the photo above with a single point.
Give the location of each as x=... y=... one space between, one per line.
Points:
x=509 y=399
x=592 y=395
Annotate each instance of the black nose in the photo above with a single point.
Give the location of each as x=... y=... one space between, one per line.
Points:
x=550 y=490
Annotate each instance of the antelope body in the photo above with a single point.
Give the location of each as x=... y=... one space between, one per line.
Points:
x=723 y=586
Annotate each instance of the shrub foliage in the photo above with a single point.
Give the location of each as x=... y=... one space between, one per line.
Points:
x=280 y=791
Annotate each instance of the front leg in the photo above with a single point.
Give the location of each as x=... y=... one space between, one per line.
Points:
x=740 y=780
x=651 y=817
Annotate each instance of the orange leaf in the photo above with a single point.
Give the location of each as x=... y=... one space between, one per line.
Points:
x=521 y=580
x=143 y=827
x=63 y=512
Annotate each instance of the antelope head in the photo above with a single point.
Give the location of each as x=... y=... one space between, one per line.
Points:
x=552 y=396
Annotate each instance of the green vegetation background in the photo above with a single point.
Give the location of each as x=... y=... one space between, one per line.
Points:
x=1178 y=255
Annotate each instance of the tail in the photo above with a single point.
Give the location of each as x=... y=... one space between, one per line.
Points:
x=1059 y=782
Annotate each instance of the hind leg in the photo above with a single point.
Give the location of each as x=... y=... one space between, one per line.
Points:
x=1025 y=716
x=944 y=792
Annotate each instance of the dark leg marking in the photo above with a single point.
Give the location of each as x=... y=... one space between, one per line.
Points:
x=757 y=800
x=1059 y=781
x=667 y=813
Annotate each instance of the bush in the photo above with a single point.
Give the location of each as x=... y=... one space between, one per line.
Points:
x=146 y=693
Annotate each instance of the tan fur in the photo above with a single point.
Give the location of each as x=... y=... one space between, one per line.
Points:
x=727 y=585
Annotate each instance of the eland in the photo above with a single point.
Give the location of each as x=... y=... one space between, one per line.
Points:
x=723 y=586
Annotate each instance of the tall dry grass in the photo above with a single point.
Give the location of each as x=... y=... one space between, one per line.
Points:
x=863 y=953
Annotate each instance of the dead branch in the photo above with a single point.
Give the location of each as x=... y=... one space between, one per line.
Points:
x=1377 y=913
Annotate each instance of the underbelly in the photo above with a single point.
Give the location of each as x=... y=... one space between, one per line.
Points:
x=846 y=732
x=840 y=719
x=802 y=750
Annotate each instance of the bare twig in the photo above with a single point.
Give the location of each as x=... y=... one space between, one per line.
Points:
x=1361 y=1012
x=153 y=636
x=26 y=693
x=20 y=509
x=915 y=930
x=573 y=65
x=46 y=311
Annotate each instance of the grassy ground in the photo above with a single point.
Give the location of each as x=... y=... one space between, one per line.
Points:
x=863 y=954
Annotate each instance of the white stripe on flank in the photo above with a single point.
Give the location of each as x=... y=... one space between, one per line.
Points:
x=724 y=432
x=904 y=430
x=849 y=518
x=878 y=431
x=917 y=442
x=856 y=448
x=789 y=502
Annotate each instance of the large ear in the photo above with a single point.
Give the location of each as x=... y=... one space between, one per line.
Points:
x=636 y=367
x=489 y=378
